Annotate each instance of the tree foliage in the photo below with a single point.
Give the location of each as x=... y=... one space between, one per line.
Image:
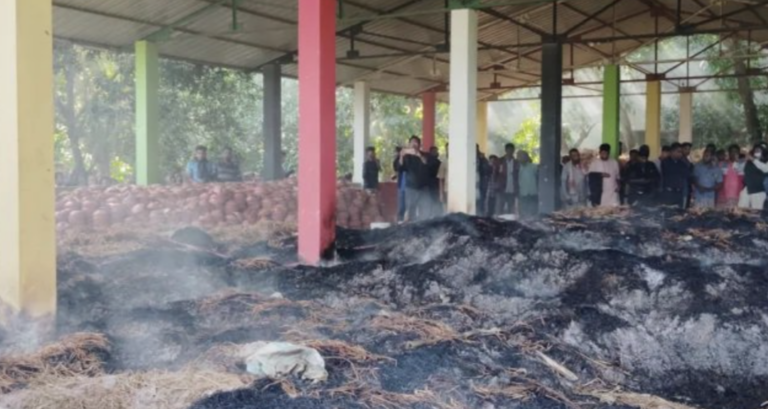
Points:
x=217 y=107
x=527 y=138
x=199 y=105
x=94 y=109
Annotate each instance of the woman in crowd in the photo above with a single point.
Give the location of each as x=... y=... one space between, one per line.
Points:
x=733 y=179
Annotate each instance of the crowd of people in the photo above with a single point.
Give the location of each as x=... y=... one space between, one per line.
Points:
x=720 y=178
x=227 y=169
x=508 y=184
x=201 y=170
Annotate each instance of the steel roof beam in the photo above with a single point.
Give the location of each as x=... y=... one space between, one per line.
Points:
x=537 y=46
x=430 y=28
x=288 y=56
x=708 y=10
x=212 y=37
x=482 y=44
x=599 y=94
x=760 y=3
x=610 y=39
x=158 y=24
x=638 y=80
x=342 y=33
x=190 y=18
x=698 y=53
x=604 y=23
x=663 y=10
x=594 y=16
x=245 y=10
x=504 y=17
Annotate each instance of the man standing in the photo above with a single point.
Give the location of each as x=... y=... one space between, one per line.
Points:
x=609 y=169
x=509 y=169
x=642 y=179
x=574 y=182
x=721 y=156
x=665 y=151
x=199 y=170
x=228 y=170
x=686 y=148
x=755 y=171
x=442 y=178
x=483 y=174
x=708 y=179
x=400 y=177
x=415 y=164
x=493 y=186
x=634 y=158
x=371 y=169
x=675 y=174
x=434 y=164
x=528 y=185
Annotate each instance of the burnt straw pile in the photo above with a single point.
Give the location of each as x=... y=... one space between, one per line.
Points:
x=596 y=309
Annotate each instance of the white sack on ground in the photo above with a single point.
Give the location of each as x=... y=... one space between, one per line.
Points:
x=280 y=359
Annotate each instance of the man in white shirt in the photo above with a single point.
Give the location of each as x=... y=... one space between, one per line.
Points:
x=574 y=181
x=609 y=168
x=506 y=200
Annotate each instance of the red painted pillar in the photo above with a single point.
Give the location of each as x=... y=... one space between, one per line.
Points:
x=317 y=128
x=428 y=101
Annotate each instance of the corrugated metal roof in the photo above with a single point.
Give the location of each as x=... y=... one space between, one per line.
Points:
x=267 y=30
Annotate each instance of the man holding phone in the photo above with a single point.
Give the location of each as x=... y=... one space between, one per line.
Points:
x=417 y=173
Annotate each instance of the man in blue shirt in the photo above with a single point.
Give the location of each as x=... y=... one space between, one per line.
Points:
x=708 y=179
x=199 y=170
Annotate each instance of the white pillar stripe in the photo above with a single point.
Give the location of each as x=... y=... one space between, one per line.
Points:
x=463 y=112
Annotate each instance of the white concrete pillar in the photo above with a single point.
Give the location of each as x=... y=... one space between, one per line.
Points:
x=27 y=194
x=362 y=127
x=686 y=116
x=463 y=112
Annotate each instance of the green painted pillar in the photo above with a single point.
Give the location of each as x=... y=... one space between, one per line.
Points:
x=611 y=107
x=147 y=114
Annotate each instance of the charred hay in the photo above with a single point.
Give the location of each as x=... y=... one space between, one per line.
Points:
x=75 y=355
x=593 y=309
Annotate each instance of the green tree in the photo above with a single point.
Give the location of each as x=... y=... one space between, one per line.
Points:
x=93 y=98
x=527 y=137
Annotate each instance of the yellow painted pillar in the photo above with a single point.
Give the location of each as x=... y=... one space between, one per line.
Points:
x=482 y=126
x=686 y=116
x=653 y=117
x=27 y=230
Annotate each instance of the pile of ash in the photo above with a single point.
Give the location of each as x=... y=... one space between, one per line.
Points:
x=595 y=309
